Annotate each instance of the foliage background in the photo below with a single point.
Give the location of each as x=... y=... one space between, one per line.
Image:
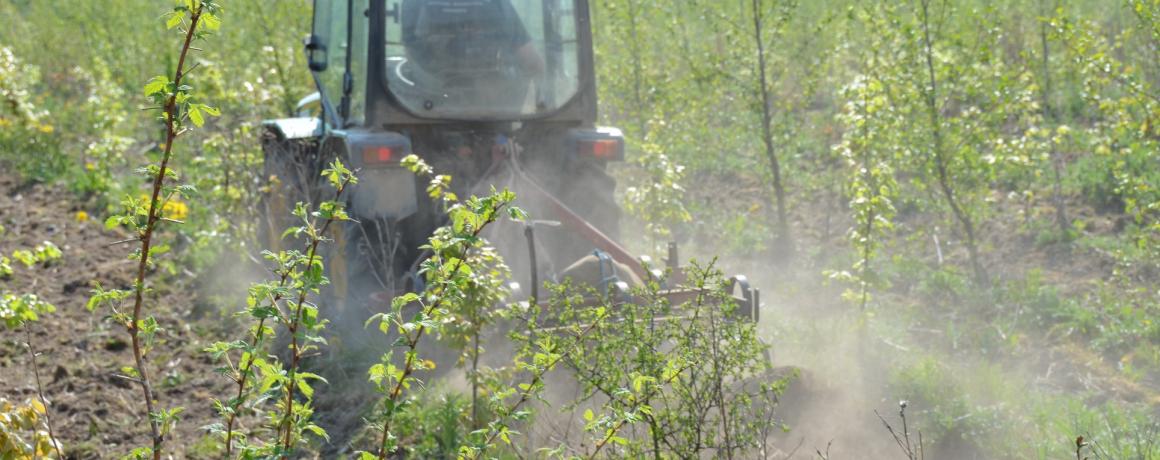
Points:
x=1051 y=112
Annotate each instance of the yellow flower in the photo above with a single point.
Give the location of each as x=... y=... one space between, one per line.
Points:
x=47 y=129
x=82 y=216
x=89 y=166
x=175 y=210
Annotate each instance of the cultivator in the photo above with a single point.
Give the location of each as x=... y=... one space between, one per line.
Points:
x=616 y=271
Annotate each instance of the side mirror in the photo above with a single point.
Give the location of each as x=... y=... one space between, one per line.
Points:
x=393 y=12
x=316 y=54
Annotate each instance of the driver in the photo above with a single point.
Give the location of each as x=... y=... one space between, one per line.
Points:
x=468 y=38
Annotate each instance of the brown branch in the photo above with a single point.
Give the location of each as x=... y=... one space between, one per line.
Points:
x=147 y=238
x=292 y=327
x=244 y=373
x=40 y=392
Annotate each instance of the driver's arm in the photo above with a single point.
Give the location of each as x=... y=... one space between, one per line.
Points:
x=530 y=59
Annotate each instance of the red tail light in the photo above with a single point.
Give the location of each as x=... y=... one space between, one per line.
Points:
x=380 y=156
x=602 y=149
x=601 y=144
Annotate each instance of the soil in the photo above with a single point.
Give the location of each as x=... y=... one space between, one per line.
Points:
x=95 y=411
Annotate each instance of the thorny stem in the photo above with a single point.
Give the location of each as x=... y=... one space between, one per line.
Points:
x=408 y=369
x=40 y=392
x=700 y=302
x=718 y=383
x=295 y=357
x=243 y=375
x=147 y=238
x=292 y=327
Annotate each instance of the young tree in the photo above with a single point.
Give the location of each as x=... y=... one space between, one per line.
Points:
x=784 y=242
x=939 y=149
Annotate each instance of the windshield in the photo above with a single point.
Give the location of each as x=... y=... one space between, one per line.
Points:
x=482 y=58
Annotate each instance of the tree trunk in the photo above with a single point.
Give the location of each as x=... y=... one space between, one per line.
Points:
x=1054 y=156
x=783 y=245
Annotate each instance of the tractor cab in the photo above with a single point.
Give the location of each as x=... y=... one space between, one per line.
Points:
x=410 y=62
x=491 y=92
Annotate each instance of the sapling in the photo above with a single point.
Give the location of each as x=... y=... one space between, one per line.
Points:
x=300 y=317
x=196 y=19
x=785 y=243
x=449 y=271
x=872 y=186
x=20 y=312
x=284 y=301
x=939 y=151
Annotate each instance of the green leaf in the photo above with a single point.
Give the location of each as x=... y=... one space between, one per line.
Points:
x=174 y=20
x=210 y=21
x=156 y=85
x=195 y=116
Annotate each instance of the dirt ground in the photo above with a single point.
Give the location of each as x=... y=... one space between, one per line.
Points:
x=96 y=413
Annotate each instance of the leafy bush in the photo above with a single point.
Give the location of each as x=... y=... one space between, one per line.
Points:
x=685 y=379
x=23 y=434
x=27 y=142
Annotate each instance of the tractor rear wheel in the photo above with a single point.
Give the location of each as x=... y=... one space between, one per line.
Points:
x=290 y=175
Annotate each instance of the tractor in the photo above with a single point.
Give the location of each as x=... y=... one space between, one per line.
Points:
x=490 y=92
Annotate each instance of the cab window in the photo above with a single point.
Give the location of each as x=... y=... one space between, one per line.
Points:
x=464 y=59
